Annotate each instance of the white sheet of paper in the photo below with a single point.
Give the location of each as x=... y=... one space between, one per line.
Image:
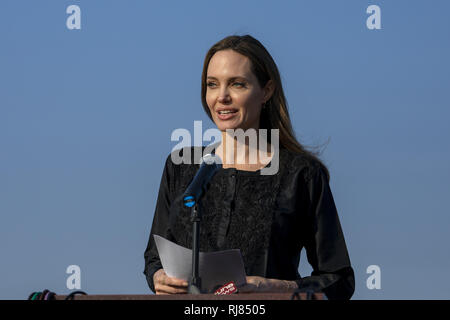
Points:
x=215 y=268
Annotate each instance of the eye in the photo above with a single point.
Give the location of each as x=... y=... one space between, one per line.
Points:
x=240 y=84
x=210 y=84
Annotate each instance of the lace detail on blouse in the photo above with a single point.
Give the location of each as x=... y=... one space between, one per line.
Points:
x=237 y=212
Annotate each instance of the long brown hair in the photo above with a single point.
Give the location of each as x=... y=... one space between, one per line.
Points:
x=275 y=114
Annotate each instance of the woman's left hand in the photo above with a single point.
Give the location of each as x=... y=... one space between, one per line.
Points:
x=261 y=284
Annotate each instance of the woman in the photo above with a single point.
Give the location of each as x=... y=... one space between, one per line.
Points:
x=270 y=218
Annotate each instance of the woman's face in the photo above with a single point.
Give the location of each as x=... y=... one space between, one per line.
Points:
x=233 y=94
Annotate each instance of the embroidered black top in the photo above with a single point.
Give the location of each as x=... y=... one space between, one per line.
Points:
x=270 y=218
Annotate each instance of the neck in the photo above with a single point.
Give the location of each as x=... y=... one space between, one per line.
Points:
x=246 y=152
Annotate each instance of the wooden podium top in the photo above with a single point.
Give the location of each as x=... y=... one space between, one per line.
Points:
x=239 y=296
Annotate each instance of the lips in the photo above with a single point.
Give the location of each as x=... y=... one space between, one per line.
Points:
x=226 y=113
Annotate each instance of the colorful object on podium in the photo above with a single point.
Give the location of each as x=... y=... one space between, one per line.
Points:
x=229 y=288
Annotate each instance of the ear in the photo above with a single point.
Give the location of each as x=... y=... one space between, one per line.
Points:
x=268 y=90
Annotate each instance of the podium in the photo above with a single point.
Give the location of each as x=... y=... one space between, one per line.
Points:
x=193 y=297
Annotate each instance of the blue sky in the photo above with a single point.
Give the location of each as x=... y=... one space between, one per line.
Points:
x=86 y=117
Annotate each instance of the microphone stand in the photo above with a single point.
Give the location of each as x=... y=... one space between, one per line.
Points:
x=195 y=284
x=191 y=198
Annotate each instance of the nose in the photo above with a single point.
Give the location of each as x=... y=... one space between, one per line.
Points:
x=224 y=96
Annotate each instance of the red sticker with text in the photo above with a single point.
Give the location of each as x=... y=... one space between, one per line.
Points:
x=229 y=288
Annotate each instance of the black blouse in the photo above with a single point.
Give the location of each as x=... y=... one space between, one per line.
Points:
x=270 y=218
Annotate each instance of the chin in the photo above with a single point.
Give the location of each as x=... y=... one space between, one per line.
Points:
x=222 y=126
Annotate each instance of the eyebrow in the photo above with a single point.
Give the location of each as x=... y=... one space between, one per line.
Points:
x=230 y=79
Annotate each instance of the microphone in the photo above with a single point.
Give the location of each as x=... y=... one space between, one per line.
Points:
x=207 y=170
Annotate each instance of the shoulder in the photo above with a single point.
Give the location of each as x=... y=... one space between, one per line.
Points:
x=182 y=164
x=304 y=164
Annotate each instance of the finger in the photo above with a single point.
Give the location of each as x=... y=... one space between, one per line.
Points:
x=163 y=289
x=246 y=288
x=162 y=278
x=168 y=281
